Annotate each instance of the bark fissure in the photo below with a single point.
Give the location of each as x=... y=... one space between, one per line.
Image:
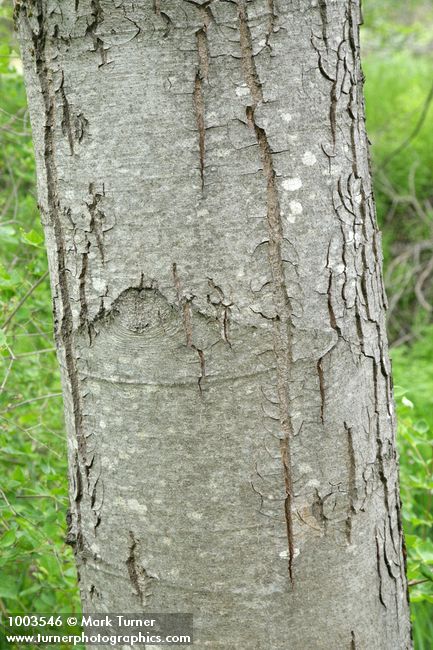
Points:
x=131 y=564
x=97 y=217
x=186 y=312
x=282 y=324
x=97 y=14
x=66 y=121
x=379 y=570
x=321 y=376
x=351 y=487
x=323 y=9
x=141 y=580
x=82 y=281
x=225 y=305
x=200 y=117
x=198 y=95
x=271 y=22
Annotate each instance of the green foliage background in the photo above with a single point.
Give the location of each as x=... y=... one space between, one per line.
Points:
x=37 y=573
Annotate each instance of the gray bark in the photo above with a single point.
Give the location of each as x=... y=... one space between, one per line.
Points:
x=204 y=185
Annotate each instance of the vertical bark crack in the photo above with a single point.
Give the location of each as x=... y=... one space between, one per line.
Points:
x=96 y=219
x=141 y=580
x=351 y=488
x=282 y=324
x=131 y=564
x=224 y=304
x=323 y=10
x=198 y=95
x=379 y=570
x=321 y=376
x=199 y=114
x=186 y=310
x=271 y=22
x=97 y=17
x=66 y=121
x=82 y=281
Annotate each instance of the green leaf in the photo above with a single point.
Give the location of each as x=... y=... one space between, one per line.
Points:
x=3 y=340
x=32 y=237
x=8 y=587
x=8 y=538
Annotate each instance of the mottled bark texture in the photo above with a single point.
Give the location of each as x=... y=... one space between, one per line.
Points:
x=219 y=311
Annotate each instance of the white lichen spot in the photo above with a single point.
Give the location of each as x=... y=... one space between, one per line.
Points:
x=285 y=554
x=99 y=285
x=195 y=516
x=136 y=506
x=241 y=91
x=295 y=207
x=102 y=424
x=313 y=483
x=212 y=116
x=95 y=549
x=309 y=158
x=286 y=117
x=292 y=184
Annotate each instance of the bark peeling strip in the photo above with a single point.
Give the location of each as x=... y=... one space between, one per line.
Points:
x=282 y=325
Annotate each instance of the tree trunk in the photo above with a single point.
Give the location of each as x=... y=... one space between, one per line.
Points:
x=219 y=311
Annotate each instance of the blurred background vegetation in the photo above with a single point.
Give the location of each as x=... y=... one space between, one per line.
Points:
x=36 y=567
